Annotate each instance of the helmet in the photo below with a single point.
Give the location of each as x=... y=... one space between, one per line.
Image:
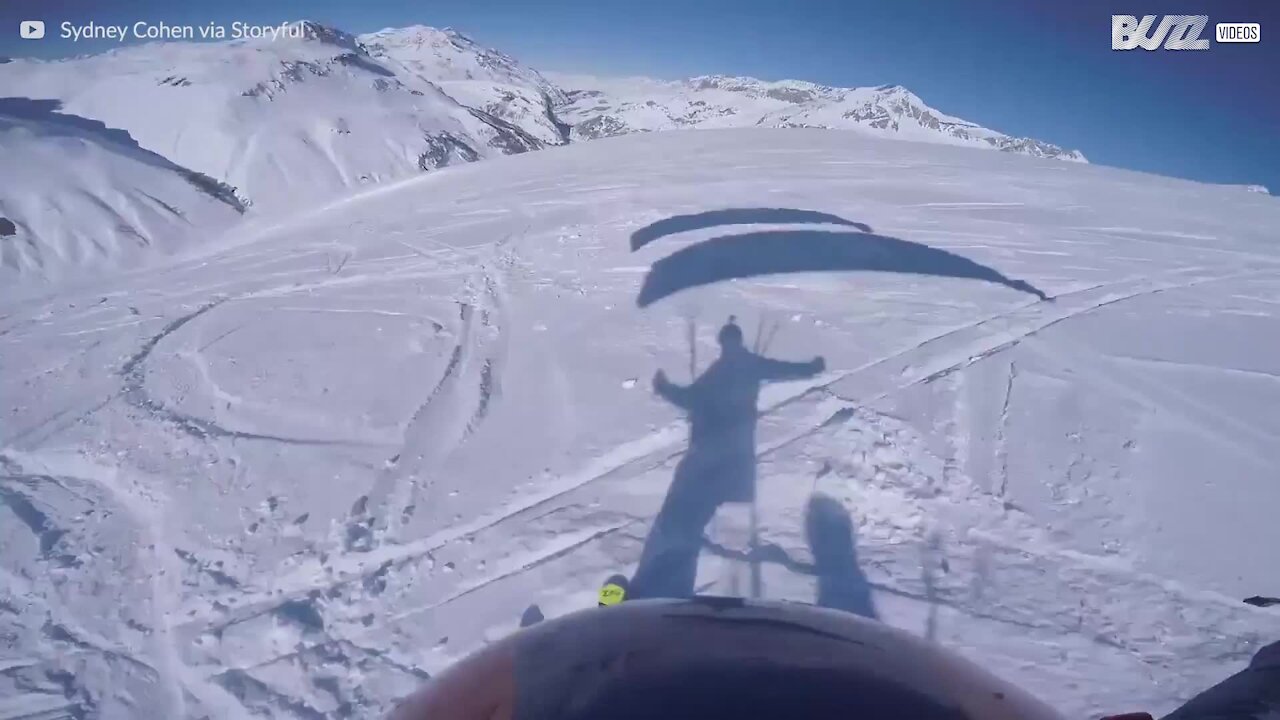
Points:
x=713 y=659
x=730 y=335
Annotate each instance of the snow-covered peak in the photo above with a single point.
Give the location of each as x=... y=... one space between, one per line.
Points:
x=314 y=31
x=449 y=55
x=602 y=107
x=414 y=35
x=481 y=78
x=787 y=91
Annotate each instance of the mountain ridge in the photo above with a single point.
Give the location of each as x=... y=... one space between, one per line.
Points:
x=611 y=106
x=435 y=94
x=287 y=124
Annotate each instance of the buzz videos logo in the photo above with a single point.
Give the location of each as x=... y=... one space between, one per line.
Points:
x=1176 y=32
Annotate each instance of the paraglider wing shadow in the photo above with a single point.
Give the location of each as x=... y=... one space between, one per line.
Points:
x=735 y=216
x=773 y=252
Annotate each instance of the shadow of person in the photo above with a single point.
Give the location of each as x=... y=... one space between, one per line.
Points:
x=841 y=583
x=720 y=464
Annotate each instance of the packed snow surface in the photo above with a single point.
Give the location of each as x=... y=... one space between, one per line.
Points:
x=296 y=473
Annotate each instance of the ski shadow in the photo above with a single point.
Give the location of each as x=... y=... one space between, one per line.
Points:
x=833 y=542
x=773 y=252
x=720 y=464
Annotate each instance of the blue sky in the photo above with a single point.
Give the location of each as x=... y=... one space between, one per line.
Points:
x=1041 y=68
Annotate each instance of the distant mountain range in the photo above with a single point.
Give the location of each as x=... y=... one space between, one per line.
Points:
x=285 y=120
x=281 y=125
x=600 y=108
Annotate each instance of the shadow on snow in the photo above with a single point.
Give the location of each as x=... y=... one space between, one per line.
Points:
x=719 y=466
x=774 y=252
x=735 y=216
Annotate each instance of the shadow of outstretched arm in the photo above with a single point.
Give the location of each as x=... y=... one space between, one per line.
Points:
x=772 y=369
x=679 y=395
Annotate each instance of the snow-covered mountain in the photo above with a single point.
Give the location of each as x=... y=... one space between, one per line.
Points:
x=294 y=476
x=601 y=107
x=475 y=76
x=286 y=122
x=292 y=121
x=75 y=194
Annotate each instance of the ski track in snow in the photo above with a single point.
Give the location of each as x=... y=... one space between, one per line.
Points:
x=305 y=540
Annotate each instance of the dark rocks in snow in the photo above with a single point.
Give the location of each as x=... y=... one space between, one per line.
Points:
x=360 y=506
x=302 y=612
x=600 y=127
x=376 y=583
x=508 y=137
x=312 y=30
x=791 y=95
x=359 y=536
x=443 y=150
x=363 y=62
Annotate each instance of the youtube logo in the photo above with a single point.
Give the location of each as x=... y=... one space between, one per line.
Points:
x=31 y=29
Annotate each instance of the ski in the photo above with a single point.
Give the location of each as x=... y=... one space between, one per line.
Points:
x=532 y=616
x=613 y=591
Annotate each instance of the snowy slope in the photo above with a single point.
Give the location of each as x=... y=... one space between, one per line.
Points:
x=294 y=475
x=75 y=194
x=287 y=122
x=602 y=107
